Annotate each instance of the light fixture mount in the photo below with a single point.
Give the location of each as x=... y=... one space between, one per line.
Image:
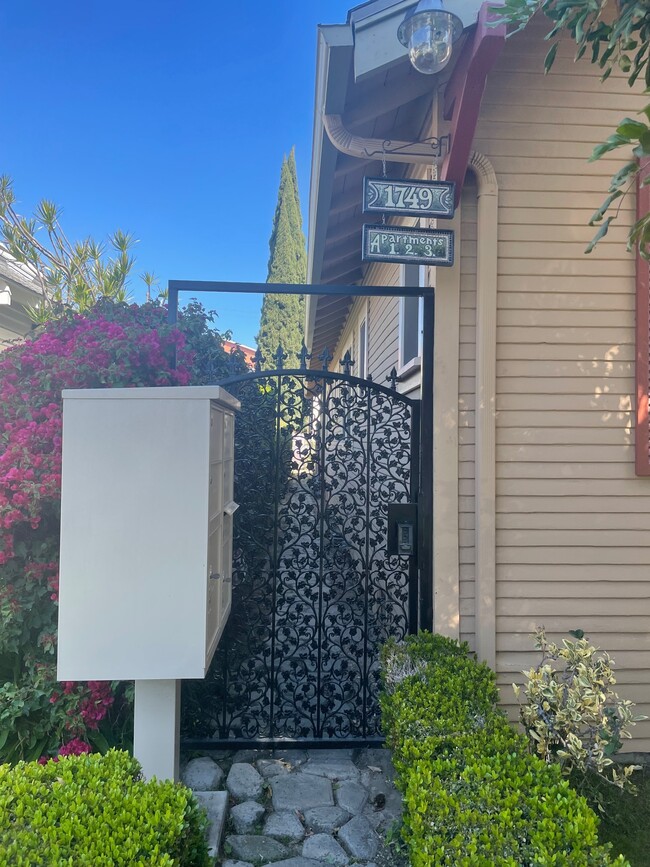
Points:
x=429 y=32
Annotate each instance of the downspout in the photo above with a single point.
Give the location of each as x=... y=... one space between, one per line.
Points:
x=485 y=422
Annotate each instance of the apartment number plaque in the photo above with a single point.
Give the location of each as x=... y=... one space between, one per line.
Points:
x=408 y=245
x=409 y=198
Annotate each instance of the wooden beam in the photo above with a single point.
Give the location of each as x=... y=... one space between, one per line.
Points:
x=347 y=165
x=340 y=266
x=345 y=275
x=351 y=244
x=347 y=201
x=391 y=96
x=464 y=93
x=323 y=321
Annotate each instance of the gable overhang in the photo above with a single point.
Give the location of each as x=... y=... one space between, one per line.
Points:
x=364 y=77
x=19 y=291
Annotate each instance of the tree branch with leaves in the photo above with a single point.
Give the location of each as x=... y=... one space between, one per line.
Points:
x=70 y=275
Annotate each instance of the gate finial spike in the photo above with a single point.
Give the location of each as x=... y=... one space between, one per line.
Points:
x=347 y=363
x=304 y=357
x=259 y=360
x=392 y=378
x=279 y=357
x=325 y=357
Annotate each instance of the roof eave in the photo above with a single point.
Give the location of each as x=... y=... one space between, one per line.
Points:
x=334 y=58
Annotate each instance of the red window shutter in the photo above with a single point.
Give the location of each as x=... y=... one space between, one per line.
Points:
x=642 y=336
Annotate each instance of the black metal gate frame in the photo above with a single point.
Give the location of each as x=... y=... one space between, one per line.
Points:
x=425 y=492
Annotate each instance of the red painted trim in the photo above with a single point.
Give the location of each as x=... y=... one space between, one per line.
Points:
x=642 y=440
x=464 y=93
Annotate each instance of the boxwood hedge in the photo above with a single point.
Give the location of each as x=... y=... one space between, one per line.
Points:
x=92 y=810
x=473 y=794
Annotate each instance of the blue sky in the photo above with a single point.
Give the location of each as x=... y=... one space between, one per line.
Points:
x=167 y=119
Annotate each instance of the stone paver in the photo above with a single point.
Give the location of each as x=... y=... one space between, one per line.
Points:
x=247 y=757
x=332 y=769
x=296 y=862
x=323 y=847
x=326 y=819
x=284 y=824
x=295 y=758
x=302 y=808
x=215 y=805
x=351 y=796
x=247 y=816
x=256 y=848
x=300 y=791
x=272 y=767
x=243 y=782
x=359 y=838
x=202 y=775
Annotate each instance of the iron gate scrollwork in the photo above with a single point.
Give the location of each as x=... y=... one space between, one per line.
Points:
x=319 y=456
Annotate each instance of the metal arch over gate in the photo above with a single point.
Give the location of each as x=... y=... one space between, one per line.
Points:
x=315 y=590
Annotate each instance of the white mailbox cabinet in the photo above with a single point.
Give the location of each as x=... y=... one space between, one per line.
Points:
x=146 y=531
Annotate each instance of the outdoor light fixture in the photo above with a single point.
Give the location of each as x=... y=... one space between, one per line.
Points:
x=5 y=295
x=429 y=32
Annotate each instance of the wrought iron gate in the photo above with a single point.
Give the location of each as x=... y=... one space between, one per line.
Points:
x=319 y=457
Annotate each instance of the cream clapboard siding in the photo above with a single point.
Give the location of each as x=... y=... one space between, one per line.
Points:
x=382 y=325
x=573 y=521
x=466 y=433
x=349 y=338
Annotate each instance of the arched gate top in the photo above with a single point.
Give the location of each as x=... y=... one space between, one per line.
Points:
x=316 y=375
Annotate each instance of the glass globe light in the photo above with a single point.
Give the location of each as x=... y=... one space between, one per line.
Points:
x=429 y=32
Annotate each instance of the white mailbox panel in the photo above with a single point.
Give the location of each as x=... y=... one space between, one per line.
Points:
x=145 y=536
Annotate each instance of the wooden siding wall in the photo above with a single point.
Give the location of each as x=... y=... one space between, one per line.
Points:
x=382 y=328
x=573 y=521
x=466 y=413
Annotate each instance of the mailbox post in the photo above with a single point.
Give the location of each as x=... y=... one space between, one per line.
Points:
x=146 y=546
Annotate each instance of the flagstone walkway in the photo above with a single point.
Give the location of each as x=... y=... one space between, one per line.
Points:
x=298 y=808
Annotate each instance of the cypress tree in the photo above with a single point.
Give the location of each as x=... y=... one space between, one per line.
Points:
x=282 y=318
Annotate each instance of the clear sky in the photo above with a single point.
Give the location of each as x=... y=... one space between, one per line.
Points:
x=165 y=118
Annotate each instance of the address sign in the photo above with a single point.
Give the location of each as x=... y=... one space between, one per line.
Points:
x=408 y=198
x=404 y=244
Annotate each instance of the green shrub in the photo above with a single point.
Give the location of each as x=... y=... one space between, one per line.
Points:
x=473 y=794
x=93 y=810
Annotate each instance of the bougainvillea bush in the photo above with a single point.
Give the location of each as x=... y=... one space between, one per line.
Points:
x=113 y=345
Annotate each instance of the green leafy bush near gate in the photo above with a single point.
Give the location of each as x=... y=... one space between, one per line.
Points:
x=473 y=794
x=92 y=810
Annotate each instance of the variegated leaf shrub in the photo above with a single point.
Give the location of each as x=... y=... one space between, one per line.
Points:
x=571 y=712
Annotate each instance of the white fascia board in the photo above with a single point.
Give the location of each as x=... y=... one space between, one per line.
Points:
x=375 y=32
x=334 y=55
x=376 y=42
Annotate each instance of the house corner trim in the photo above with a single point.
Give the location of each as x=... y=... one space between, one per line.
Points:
x=446 y=550
x=485 y=458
